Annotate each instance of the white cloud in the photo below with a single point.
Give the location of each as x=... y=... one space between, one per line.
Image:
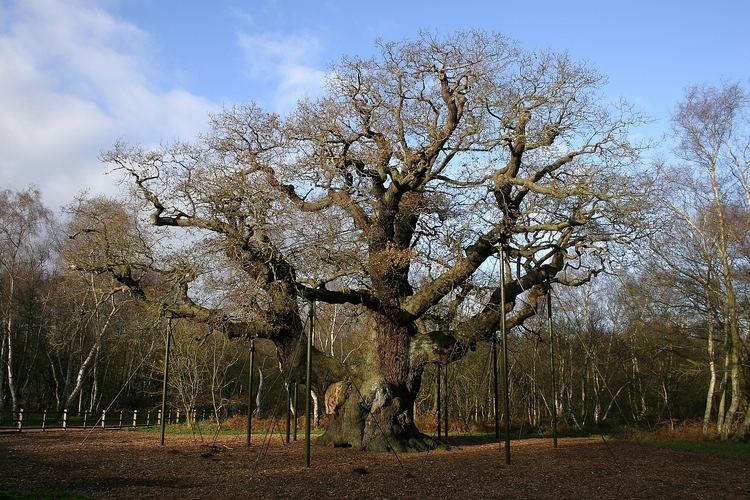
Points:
x=285 y=61
x=74 y=79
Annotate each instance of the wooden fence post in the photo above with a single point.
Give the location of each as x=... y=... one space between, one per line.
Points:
x=20 y=420
x=104 y=417
x=135 y=417
x=65 y=419
x=44 y=419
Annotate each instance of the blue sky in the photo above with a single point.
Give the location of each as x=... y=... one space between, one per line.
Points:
x=76 y=75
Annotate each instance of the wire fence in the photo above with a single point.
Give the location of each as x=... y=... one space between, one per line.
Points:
x=48 y=420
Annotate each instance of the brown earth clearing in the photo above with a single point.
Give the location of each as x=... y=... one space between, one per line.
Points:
x=124 y=464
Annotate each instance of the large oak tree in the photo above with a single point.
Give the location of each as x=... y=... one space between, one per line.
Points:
x=393 y=192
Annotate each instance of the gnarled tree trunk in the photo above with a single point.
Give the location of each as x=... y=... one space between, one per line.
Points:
x=374 y=410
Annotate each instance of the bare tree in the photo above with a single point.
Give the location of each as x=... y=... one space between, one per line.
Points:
x=707 y=192
x=393 y=193
x=24 y=223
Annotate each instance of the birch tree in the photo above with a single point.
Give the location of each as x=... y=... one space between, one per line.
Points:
x=24 y=225
x=706 y=193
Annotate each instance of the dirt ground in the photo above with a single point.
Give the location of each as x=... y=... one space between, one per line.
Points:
x=124 y=464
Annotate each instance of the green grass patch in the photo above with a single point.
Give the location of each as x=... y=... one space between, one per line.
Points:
x=210 y=429
x=184 y=429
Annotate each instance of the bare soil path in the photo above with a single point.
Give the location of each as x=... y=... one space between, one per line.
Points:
x=123 y=464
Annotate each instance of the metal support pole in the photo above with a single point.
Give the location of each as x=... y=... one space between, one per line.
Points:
x=250 y=393
x=496 y=400
x=552 y=367
x=296 y=406
x=445 y=401
x=439 y=404
x=288 y=412
x=308 y=381
x=504 y=332
x=166 y=375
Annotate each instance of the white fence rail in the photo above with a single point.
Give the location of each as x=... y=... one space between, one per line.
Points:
x=46 y=420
